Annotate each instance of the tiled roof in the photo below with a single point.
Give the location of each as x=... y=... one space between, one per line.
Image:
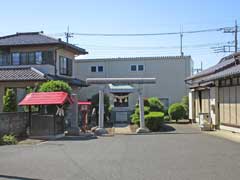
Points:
x=21 y=74
x=35 y=38
x=71 y=81
x=226 y=66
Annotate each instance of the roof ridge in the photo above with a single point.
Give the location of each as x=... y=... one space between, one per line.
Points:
x=21 y=33
x=137 y=57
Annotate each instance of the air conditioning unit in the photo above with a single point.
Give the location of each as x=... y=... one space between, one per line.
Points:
x=205 y=122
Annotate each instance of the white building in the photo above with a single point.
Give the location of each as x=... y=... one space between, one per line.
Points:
x=170 y=72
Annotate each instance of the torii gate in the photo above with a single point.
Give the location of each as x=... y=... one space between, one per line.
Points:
x=122 y=81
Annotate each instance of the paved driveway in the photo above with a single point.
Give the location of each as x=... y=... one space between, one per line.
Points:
x=182 y=154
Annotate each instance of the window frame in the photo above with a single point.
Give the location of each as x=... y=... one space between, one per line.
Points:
x=65 y=64
x=100 y=66
x=132 y=65
x=12 y=61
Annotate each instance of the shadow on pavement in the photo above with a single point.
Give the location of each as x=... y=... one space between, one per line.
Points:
x=77 y=138
x=17 y=177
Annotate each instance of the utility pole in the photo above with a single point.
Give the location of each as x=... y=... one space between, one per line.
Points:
x=68 y=35
x=232 y=46
x=181 y=38
x=236 y=36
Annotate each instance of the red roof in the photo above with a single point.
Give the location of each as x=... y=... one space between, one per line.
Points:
x=84 y=103
x=45 y=98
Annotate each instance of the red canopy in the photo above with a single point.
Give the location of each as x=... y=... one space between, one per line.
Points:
x=45 y=98
x=84 y=103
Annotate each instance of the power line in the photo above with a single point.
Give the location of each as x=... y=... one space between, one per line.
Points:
x=149 y=34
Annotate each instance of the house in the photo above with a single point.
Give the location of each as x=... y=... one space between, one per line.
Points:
x=28 y=59
x=216 y=92
x=170 y=72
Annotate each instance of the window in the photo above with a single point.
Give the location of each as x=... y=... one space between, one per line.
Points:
x=140 y=67
x=133 y=68
x=100 y=68
x=93 y=69
x=31 y=58
x=137 y=67
x=4 y=60
x=38 y=56
x=15 y=58
x=23 y=58
x=65 y=66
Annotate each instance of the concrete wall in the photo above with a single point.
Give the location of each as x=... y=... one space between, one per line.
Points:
x=15 y=123
x=169 y=71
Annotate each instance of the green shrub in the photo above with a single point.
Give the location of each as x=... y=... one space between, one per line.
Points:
x=176 y=111
x=95 y=104
x=136 y=116
x=9 y=139
x=166 y=118
x=185 y=103
x=55 y=86
x=10 y=101
x=146 y=110
x=155 y=104
x=153 y=120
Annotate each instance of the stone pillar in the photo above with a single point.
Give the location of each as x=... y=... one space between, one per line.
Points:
x=74 y=129
x=191 y=105
x=142 y=128
x=101 y=109
x=100 y=130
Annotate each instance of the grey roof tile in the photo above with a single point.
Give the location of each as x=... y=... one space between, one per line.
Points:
x=21 y=74
x=35 y=38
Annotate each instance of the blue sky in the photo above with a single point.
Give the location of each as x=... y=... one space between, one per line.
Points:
x=127 y=16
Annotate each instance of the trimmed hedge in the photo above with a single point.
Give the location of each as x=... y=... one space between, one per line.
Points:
x=155 y=104
x=136 y=116
x=153 y=120
x=176 y=111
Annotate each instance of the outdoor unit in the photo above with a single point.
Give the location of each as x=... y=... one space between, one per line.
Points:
x=205 y=122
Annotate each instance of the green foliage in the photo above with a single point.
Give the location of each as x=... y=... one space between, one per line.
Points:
x=8 y=139
x=10 y=101
x=55 y=86
x=153 y=120
x=107 y=107
x=176 y=111
x=166 y=118
x=33 y=108
x=136 y=115
x=185 y=103
x=146 y=110
x=155 y=104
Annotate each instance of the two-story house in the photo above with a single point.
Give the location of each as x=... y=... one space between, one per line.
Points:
x=28 y=59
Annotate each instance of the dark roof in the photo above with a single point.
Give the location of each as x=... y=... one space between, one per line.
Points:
x=32 y=74
x=71 y=81
x=227 y=66
x=36 y=38
x=21 y=74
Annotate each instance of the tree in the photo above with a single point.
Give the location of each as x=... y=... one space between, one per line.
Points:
x=55 y=86
x=176 y=111
x=95 y=104
x=185 y=103
x=155 y=104
x=10 y=101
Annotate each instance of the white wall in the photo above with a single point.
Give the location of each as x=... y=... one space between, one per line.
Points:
x=169 y=71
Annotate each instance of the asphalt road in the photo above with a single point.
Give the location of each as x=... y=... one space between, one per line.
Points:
x=184 y=154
